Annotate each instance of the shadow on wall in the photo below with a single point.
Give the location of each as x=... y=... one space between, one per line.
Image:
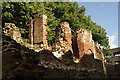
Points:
x=88 y=61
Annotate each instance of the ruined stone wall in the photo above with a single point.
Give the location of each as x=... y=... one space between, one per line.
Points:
x=98 y=55
x=20 y=62
x=85 y=42
x=64 y=36
x=81 y=50
x=11 y=30
x=63 y=41
x=45 y=31
x=86 y=51
x=83 y=45
x=38 y=33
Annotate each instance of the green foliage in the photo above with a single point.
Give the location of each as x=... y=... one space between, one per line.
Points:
x=107 y=52
x=21 y=13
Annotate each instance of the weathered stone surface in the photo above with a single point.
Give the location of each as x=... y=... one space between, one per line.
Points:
x=11 y=30
x=98 y=55
x=38 y=33
x=86 y=51
x=83 y=43
x=63 y=38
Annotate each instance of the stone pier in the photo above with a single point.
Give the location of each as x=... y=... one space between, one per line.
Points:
x=38 y=33
x=83 y=48
x=85 y=42
x=63 y=39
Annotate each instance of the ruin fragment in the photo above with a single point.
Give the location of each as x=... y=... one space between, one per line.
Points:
x=63 y=41
x=12 y=31
x=98 y=55
x=84 y=43
x=83 y=47
x=38 y=33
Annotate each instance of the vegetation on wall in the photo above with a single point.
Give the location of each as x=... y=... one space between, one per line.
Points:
x=20 y=13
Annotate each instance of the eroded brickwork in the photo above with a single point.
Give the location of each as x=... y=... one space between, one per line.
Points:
x=38 y=31
x=63 y=38
x=84 y=43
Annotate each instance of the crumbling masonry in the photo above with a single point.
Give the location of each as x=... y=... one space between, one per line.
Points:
x=38 y=33
x=63 y=40
x=84 y=50
x=11 y=30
